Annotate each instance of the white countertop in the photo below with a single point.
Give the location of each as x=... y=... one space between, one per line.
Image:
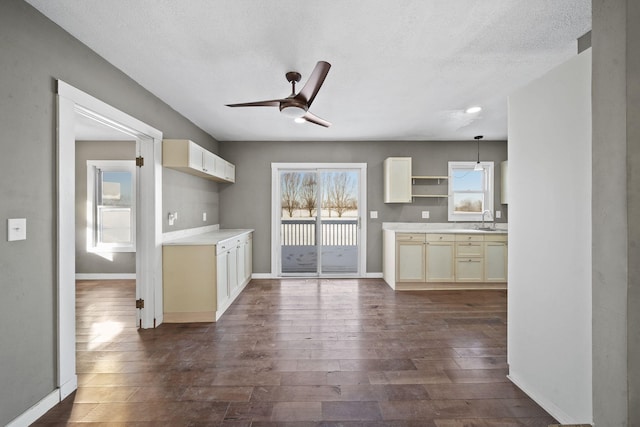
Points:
x=207 y=238
x=443 y=227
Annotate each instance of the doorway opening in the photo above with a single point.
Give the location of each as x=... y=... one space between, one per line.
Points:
x=317 y=227
x=74 y=104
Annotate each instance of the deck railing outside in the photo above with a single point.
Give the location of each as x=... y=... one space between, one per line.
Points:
x=334 y=232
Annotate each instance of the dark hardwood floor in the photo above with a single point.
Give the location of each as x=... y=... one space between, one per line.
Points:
x=299 y=353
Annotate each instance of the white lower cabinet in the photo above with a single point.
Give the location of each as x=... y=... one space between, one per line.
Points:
x=469 y=258
x=200 y=281
x=440 y=251
x=495 y=259
x=453 y=258
x=411 y=260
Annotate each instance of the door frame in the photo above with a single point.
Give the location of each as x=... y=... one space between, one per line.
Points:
x=276 y=212
x=70 y=103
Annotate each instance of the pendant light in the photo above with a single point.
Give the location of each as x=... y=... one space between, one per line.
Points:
x=478 y=166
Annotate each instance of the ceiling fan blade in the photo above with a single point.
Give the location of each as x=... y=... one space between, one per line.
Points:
x=312 y=86
x=315 y=119
x=271 y=103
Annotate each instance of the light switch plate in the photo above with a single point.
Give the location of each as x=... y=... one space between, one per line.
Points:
x=498 y=214
x=373 y=214
x=16 y=229
x=425 y=214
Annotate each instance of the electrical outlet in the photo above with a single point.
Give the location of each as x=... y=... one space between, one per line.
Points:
x=172 y=217
x=498 y=214
x=425 y=214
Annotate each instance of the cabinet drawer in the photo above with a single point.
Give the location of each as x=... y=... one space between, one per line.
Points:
x=410 y=237
x=440 y=238
x=495 y=238
x=469 y=249
x=469 y=238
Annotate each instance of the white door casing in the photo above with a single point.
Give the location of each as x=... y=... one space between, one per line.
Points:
x=71 y=102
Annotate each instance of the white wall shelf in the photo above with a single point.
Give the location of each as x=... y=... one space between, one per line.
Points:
x=438 y=178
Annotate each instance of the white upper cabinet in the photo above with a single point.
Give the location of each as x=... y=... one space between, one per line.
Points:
x=397 y=180
x=189 y=157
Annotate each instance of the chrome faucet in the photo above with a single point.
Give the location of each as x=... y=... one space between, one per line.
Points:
x=490 y=215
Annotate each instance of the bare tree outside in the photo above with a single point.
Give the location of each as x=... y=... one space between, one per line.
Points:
x=340 y=193
x=290 y=189
x=308 y=193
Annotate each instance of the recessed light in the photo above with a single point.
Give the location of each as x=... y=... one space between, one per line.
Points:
x=472 y=110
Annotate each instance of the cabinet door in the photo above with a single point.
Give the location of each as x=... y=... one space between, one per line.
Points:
x=248 y=258
x=222 y=279
x=495 y=256
x=397 y=180
x=230 y=172
x=196 y=156
x=240 y=264
x=232 y=269
x=209 y=162
x=469 y=270
x=410 y=261
x=440 y=262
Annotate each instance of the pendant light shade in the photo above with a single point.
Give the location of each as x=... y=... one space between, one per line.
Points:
x=478 y=166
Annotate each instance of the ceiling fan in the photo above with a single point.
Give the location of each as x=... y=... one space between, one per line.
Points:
x=297 y=105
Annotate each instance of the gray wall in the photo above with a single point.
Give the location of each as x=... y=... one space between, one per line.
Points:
x=89 y=262
x=33 y=53
x=616 y=209
x=247 y=203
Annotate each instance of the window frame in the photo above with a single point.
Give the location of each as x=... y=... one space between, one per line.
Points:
x=488 y=191
x=93 y=244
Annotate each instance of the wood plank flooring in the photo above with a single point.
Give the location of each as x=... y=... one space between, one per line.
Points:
x=299 y=353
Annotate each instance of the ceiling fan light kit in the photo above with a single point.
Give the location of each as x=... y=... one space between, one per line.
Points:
x=296 y=106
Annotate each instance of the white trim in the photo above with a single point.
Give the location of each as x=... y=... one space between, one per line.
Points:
x=72 y=102
x=489 y=190
x=374 y=275
x=362 y=211
x=546 y=404
x=105 y=276
x=109 y=166
x=263 y=276
x=32 y=414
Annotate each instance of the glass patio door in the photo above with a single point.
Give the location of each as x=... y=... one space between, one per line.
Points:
x=319 y=221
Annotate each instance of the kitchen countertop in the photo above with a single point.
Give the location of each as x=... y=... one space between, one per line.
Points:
x=208 y=238
x=442 y=228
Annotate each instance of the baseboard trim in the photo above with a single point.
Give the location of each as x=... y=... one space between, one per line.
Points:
x=373 y=275
x=263 y=276
x=30 y=416
x=105 y=276
x=69 y=387
x=273 y=276
x=545 y=403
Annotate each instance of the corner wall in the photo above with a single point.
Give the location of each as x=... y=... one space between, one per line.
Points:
x=549 y=302
x=616 y=209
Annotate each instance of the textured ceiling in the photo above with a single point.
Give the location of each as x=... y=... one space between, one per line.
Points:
x=401 y=70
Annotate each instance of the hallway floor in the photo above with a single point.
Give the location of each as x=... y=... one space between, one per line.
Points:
x=299 y=352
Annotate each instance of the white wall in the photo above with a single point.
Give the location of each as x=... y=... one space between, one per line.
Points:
x=549 y=302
